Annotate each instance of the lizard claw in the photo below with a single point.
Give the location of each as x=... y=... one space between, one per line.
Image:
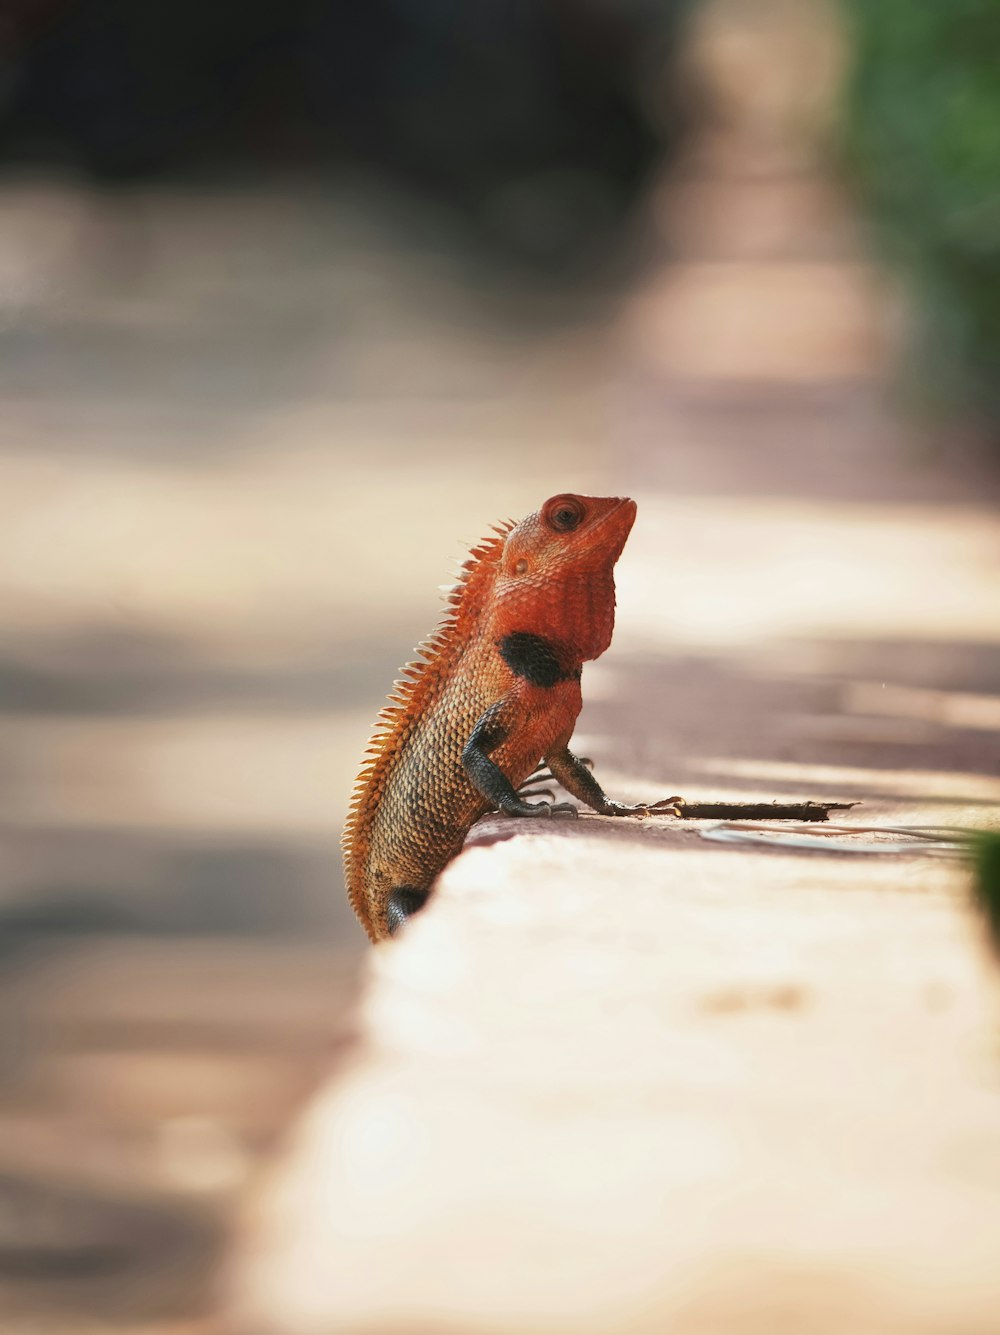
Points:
x=536 y=792
x=667 y=806
x=546 y=809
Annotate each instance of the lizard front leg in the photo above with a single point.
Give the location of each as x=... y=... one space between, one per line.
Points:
x=570 y=771
x=490 y=732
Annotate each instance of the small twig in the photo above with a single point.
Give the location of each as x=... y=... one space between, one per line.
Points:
x=814 y=811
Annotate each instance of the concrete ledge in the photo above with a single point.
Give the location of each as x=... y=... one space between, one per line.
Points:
x=617 y=1079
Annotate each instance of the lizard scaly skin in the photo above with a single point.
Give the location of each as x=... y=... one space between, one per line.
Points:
x=496 y=689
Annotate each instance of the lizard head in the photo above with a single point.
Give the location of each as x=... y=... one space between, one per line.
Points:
x=556 y=575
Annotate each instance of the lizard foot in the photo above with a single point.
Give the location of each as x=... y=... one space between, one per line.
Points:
x=667 y=806
x=543 y=809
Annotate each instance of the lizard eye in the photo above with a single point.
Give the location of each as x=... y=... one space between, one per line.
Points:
x=564 y=513
x=521 y=568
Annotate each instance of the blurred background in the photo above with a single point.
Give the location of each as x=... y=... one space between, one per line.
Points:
x=296 y=299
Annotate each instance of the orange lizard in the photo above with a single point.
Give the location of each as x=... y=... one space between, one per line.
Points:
x=495 y=689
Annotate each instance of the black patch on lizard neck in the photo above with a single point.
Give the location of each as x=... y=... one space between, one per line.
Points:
x=535 y=659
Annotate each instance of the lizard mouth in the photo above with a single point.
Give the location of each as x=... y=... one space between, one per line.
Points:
x=616 y=523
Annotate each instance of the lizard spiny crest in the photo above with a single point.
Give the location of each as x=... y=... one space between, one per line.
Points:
x=419 y=681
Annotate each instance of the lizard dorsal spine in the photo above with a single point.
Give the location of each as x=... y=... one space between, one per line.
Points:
x=420 y=680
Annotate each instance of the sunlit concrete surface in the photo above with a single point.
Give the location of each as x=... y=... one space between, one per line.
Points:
x=616 y=1080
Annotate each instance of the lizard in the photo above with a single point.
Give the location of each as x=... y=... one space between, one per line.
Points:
x=492 y=692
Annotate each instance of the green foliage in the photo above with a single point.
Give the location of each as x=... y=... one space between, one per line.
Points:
x=923 y=138
x=986 y=850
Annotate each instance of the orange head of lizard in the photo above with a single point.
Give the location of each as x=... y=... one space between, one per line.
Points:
x=556 y=576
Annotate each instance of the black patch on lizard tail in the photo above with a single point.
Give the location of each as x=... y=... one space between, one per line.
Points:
x=534 y=658
x=403 y=903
